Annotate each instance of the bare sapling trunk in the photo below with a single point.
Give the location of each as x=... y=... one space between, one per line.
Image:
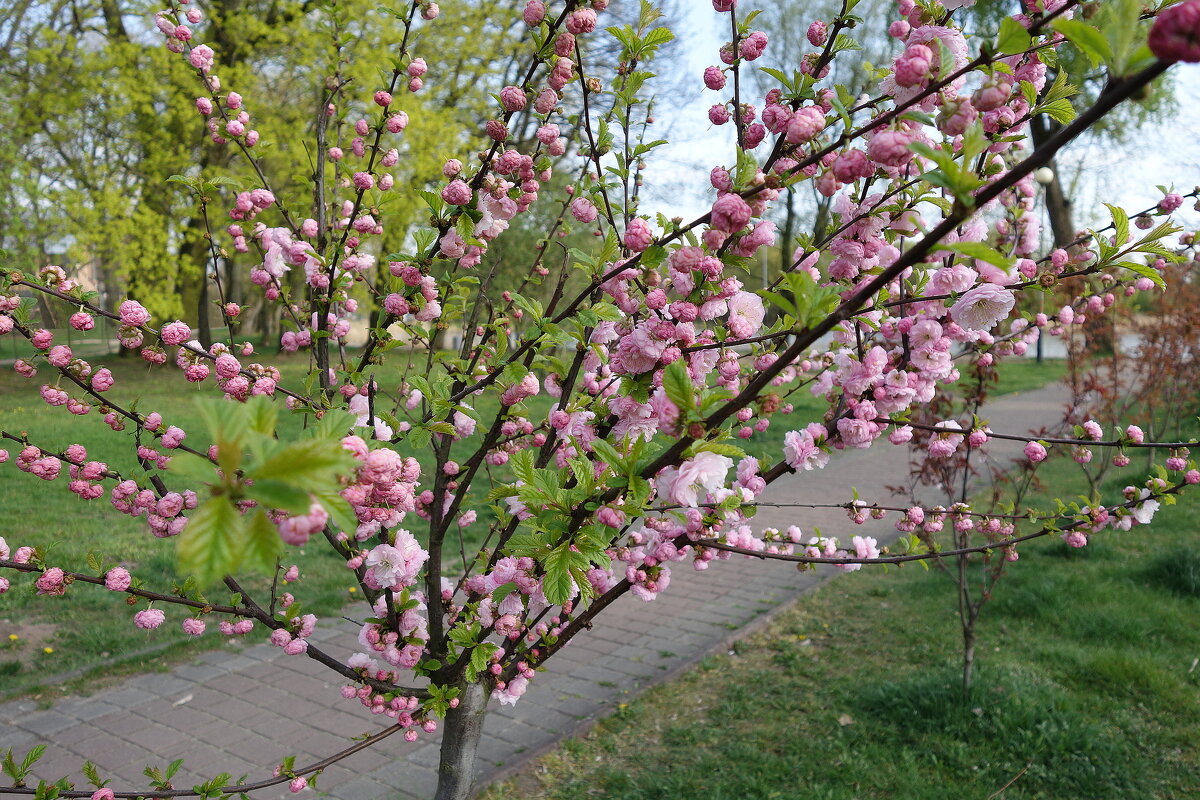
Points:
x=461 y=732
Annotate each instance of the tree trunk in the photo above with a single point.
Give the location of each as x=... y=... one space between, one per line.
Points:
x=204 y=333
x=967 y=615
x=1058 y=205
x=968 y=662
x=461 y=732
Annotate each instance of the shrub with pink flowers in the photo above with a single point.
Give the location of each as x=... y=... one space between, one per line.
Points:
x=595 y=418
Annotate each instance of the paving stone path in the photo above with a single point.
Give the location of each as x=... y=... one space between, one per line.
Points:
x=238 y=711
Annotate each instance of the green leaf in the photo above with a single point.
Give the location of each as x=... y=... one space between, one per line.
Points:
x=339 y=510
x=1120 y=224
x=333 y=424
x=1061 y=111
x=308 y=464
x=277 y=494
x=262 y=544
x=89 y=772
x=210 y=545
x=609 y=455
x=529 y=305
x=980 y=251
x=720 y=448
x=1013 y=37
x=1145 y=271
x=192 y=467
x=228 y=423
x=1089 y=40
x=32 y=757
x=677 y=383
x=261 y=415
x=557 y=583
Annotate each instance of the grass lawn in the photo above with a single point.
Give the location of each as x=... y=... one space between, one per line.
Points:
x=1087 y=686
x=90 y=628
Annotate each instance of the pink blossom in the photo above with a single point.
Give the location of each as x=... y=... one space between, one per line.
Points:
x=193 y=626
x=913 y=65
x=982 y=307
x=804 y=125
x=746 y=314
x=583 y=210
x=513 y=98
x=801 y=451
x=638 y=235
x=706 y=471
x=851 y=165
x=993 y=94
x=117 y=579
x=1175 y=35
x=1075 y=538
x=526 y=387
x=149 y=619
x=201 y=58
x=52 y=582
x=512 y=691
x=175 y=333
x=395 y=566
x=457 y=193
x=718 y=114
x=817 y=33
x=173 y=437
x=581 y=20
x=535 y=12
x=857 y=433
x=714 y=78
x=228 y=366
x=1170 y=202
x=730 y=213
x=133 y=313
x=753 y=46
x=59 y=356
x=297 y=530
x=890 y=148
x=1035 y=452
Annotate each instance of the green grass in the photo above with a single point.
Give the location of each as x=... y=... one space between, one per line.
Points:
x=1087 y=686
x=90 y=627
x=1024 y=374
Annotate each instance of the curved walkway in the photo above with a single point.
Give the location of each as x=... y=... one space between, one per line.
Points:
x=242 y=712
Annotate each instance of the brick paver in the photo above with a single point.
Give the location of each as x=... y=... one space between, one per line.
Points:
x=244 y=711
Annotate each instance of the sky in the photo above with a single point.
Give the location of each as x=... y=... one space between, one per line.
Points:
x=1125 y=175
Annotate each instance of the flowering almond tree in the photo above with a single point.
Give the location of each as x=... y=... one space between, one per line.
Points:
x=590 y=422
